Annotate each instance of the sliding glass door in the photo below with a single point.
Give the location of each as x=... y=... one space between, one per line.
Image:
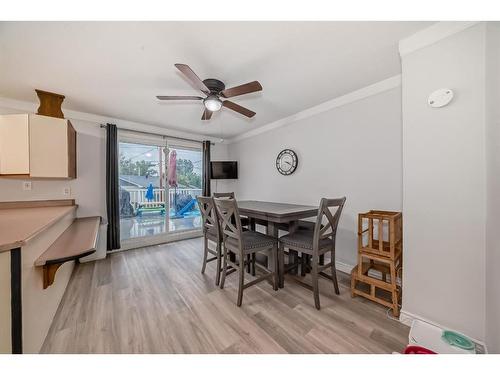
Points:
x=184 y=181
x=143 y=203
x=159 y=183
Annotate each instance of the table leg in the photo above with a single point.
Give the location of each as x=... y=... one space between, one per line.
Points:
x=252 y=224
x=272 y=230
x=293 y=226
x=293 y=257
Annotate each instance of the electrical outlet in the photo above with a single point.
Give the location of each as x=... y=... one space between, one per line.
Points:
x=67 y=190
x=26 y=185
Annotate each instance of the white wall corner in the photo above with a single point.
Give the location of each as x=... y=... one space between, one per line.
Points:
x=406 y=318
x=362 y=93
x=432 y=34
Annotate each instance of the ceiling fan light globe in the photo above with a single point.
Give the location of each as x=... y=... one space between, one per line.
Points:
x=212 y=103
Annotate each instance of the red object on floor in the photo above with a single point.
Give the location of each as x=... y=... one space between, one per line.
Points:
x=413 y=349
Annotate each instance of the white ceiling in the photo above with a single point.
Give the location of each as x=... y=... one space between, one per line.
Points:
x=117 y=68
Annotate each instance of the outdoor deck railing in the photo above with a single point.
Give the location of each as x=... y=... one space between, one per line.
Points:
x=138 y=196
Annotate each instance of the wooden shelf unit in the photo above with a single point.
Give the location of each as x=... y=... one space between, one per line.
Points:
x=380 y=254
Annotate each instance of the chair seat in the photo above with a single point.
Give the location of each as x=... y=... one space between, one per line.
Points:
x=252 y=240
x=303 y=239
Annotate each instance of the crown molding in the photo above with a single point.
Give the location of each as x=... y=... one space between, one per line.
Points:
x=432 y=34
x=376 y=88
x=30 y=107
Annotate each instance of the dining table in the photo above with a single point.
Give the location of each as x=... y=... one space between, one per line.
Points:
x=275 y=215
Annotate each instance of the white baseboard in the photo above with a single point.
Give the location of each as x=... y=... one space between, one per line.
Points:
x=406 y=318
x=344 y=267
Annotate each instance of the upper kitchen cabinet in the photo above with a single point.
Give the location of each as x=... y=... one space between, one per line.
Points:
x=14 y=145
x=37 y=146
x=52 y=147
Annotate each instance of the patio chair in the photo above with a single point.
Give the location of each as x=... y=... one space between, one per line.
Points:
x=242 y=243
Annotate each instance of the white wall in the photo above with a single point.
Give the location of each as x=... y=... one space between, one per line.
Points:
x=352 y=150
x=444 y=182
x=493 y=187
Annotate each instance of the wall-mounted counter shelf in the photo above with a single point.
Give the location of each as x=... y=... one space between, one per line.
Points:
x=77 y=241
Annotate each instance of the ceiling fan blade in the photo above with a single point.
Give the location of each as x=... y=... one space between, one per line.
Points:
x=195 y=80
x=247 y=88
x=207 y=115
x=170 y=97
x=238 y=108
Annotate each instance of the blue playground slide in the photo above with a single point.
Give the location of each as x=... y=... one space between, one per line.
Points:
x=187 y=207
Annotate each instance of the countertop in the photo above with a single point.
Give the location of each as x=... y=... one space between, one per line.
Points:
x=19 y=225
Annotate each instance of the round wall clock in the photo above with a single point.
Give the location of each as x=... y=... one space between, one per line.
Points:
x=286 y=162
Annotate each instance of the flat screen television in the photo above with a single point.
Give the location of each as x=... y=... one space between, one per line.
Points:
x=223 y=170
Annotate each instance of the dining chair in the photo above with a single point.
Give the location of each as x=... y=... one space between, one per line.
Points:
x=316 y=242
x=305 y=259
x=229 y=195
x=211 y=232
x=242 y=243
x=245 y=223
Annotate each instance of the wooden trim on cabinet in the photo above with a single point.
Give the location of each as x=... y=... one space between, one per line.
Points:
x=71 y=150
x=15 y=176
x=40 y=203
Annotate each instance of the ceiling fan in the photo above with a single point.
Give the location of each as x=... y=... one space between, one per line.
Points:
x=214 y=91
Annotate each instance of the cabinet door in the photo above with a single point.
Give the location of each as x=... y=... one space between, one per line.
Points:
x=14 y=145
x=48 y=147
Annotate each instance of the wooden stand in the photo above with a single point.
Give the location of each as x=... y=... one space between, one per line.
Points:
x=380 y=250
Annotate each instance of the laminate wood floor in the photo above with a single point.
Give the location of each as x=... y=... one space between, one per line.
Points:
x=155 y=300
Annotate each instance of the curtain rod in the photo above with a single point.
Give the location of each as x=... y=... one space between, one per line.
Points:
x=161 y=135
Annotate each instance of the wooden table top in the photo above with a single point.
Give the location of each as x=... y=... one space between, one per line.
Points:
x=276 y=212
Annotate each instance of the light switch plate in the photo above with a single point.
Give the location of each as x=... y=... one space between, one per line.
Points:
x=67 y=190
x=26 y=185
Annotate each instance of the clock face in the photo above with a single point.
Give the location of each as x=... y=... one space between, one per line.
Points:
x=286 y=162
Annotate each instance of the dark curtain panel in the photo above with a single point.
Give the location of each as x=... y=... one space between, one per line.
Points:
x=206 y=168
x=112 y=187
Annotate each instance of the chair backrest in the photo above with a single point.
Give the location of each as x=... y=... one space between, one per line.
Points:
x=224 y=195
x=229 y=219
x=328 y=229
x=209 y=217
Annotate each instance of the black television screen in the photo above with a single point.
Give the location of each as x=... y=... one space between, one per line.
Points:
x=221 y=170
